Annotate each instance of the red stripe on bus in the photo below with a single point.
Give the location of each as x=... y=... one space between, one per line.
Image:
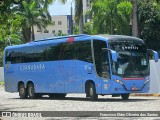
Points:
x=71 y=40
x=133 y=78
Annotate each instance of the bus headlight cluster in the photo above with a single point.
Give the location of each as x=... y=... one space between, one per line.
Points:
x=146 y=81
x=119 y=81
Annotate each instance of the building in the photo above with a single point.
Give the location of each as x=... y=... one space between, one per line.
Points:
x=61 y=26
x=86 y=8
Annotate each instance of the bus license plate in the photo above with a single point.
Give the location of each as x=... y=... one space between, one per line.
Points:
x=134 y=88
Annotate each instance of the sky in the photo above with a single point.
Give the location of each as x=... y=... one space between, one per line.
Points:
x=58 y=8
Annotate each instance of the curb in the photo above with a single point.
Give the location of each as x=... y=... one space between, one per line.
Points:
x=138 y=94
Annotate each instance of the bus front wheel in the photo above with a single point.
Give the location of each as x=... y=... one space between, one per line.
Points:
x=60 y=95
x=31 y=91
x=22 y=91
x=92 y=92
x=125 y=96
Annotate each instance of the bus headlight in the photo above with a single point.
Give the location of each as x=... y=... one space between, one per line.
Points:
x=146 y=81
x=119 y=81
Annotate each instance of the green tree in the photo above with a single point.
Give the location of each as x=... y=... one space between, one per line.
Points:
x=88 y=28
x=32 y=15
x=111 y=16
x=149 y=23
x=30 y=12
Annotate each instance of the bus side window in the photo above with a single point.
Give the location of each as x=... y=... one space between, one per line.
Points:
x=8 y=58
x=68 y=51
x=83 y=51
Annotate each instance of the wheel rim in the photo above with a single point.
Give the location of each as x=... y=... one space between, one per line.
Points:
x=31 y=90
x=91 y=91
x=21 y=91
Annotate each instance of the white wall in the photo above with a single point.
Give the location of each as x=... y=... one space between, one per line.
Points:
x=1 y=74
x=64 y=27
x=155 y=77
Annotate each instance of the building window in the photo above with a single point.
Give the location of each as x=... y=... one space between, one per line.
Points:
x=59 y=22
x=39 y=30
x=60 y=33
x=46 y=31
x=53 y=31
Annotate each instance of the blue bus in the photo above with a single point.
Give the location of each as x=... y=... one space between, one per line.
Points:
x=114 y=65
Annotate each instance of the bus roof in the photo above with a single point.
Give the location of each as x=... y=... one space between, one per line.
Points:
x=114 y=38
x=62 y=37
x=51 y=40
x=110 y=38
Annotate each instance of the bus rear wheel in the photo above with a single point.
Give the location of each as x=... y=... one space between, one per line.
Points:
x=22 y=91
x=92 y=92
x=51 y=95
x=125 y=96
x=31 y=91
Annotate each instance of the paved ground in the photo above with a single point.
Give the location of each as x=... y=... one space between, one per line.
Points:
x=78 y=102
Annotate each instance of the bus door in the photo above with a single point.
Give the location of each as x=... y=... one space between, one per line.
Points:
x=101 y=58
x=105 y=73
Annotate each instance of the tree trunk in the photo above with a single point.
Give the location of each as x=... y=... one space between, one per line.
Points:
x=32 y=32
x=134 y=19
x=81 y=22
x=26 y=34
x=81 y=25
x=79 y=15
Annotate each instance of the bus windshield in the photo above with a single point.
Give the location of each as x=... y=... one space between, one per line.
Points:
x=132 y=59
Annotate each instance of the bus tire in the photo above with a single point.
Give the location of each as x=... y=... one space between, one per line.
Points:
x=60 y=95
x=31 y=91
x=38 y=95
x=22 y=91
x=92 y=92
x=125 y=96
x=51 y=95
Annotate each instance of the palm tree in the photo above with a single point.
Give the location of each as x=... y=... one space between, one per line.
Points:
x=134 y=19
x=33 y=15
x=79 y=15
x=111 y=17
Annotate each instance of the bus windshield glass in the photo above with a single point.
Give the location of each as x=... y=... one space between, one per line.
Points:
x=132 y=59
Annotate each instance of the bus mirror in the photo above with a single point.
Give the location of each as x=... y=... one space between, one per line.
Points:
x=114 y=55
x=153 y=55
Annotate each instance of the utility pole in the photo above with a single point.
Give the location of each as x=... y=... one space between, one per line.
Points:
x=71 y=20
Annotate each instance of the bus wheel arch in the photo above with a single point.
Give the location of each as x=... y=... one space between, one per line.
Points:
x=22 y=90
x=90 y=90
x=31 y=90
